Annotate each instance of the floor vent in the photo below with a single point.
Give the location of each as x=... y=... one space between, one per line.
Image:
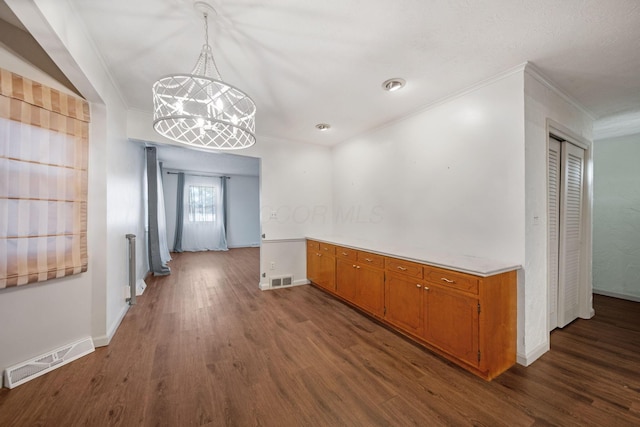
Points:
x=281 y=281
x=26 y=371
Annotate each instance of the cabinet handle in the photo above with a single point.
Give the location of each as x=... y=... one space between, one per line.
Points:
x=368 y=259
x=426 y=289
x=358 y=267
x=319 y=254
x=354 y=266
x=418 y=286
x=344 y=253
x=402 y=268
x=326 y=249
x=447 y=280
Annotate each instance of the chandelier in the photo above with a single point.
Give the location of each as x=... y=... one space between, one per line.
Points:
x=201 y=110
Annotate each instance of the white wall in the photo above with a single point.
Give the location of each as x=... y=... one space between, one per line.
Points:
x=449 y=178
x=543 y=102
x=616 y=217
x=54 y=313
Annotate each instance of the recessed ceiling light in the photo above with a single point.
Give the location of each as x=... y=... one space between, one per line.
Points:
x=392 y=85
x=323 y=127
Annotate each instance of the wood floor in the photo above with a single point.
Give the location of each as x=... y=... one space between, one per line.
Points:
x=204 y=346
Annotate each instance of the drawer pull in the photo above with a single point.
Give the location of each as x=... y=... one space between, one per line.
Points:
x=319 y=254
x=368 y=259
x=344 y=253
x=402 y=268
x=354 y=266
x=426 y=289
x=326 y=249
x=358 y=267
x=418 y=286
x=447 y=280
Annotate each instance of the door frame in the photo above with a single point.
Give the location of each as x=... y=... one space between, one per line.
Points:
x=586 y=248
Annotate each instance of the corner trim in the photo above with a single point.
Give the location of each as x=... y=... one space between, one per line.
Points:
x=535 y=72
x=532 y=356
x=104 y=340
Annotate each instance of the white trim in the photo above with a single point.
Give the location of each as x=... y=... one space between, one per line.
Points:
x=532 y=356
x=616 y=295
x=285 y=240
x=104 y=340
x=535 y=72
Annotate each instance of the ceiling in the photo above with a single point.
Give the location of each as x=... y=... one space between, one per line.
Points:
x=307 y=62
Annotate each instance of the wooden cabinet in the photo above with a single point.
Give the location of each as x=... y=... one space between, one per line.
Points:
x=313 y=263
x=346 y=276
x=369 y=288
x=468 y=319
x=451 y=322
x=360 y=279
x=321 y=264
x=403 y=302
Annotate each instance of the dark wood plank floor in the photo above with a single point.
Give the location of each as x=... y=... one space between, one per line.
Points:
x=204 y=346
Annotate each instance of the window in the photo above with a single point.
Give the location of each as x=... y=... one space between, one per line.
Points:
x=201 y=203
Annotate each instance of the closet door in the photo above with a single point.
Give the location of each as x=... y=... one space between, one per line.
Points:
x=553 y=230
x=566 y=180
x=570 y=233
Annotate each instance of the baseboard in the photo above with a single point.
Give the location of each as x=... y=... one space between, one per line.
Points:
x=104 y=340
x=532 y=356
x=266 y=287
x=140 y=287
x=616 y=295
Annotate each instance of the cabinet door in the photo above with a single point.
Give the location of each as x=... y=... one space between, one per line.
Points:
x=346 y=279
x=312 y=265
x=370 y=289
x=451 y=322
x=403 y=303
x=327 y=271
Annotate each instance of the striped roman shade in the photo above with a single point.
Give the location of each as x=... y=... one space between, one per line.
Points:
x=44 y=138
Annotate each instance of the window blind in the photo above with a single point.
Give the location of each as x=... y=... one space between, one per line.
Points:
x=44 y=139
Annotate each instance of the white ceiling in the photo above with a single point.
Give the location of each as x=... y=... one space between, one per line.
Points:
x=305 y=62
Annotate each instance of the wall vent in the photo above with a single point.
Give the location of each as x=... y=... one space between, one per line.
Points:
x=281 y=281
x=26 y=371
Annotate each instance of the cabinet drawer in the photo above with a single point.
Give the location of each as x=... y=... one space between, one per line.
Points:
x=328 y=249
x=405 y=267
x=346 y=253
x=313 y=245
x=370 y=259
x=452 y=279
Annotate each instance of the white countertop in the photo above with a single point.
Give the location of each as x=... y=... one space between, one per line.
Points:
x=463 y=263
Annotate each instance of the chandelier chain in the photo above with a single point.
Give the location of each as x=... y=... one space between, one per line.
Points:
x=206 y=29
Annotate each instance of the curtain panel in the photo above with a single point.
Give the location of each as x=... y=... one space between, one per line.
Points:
x=44 y=141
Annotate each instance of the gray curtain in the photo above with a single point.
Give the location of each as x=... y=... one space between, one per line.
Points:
x=223 y=187
x=177 y=241
x=154 y=186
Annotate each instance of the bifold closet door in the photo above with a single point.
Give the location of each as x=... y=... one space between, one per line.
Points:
x=566 y=181
x=553 y=230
